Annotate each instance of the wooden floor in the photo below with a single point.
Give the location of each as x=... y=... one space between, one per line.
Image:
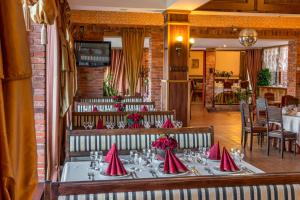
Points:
x=227 y=127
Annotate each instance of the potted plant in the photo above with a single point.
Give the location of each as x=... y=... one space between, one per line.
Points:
x=264 y=77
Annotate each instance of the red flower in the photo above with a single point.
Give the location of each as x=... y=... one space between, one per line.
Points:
x=164 y=143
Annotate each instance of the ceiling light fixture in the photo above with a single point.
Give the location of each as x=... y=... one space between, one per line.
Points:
x=248 y=37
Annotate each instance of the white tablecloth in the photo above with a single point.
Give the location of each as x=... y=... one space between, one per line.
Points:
x=292 y=123
x=78 y=170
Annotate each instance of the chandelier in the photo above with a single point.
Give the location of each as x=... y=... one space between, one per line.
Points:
x=248 y=37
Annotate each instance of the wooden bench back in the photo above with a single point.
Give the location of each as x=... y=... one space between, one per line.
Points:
x=108 y=106
x=109 y=99
x=80 y=142
x=261 y=186
x=78 y=118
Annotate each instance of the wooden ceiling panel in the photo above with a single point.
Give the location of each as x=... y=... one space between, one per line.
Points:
x=261 y=6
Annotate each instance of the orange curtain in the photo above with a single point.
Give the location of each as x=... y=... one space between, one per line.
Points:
x=17 y=136
x=117 y=71
x=253 y=61
x=133 y=48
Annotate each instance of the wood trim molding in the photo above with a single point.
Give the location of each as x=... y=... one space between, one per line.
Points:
x=75 y=188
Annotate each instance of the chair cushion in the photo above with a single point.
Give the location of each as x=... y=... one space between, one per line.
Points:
x=285 y=134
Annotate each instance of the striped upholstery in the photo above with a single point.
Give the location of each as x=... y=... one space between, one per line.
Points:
x=262 y=192
x=105 y=99
x=92 y=142
x=152 y=117
x=90 y=107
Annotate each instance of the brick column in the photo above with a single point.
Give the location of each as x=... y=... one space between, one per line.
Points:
x=156 y=61
x=38 y=60
x=90 y=81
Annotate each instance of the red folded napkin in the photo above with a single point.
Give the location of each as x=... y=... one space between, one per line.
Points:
x=115 y=167
x=95 y=109
x=112 y=150
x=172 y=164
x=168 y=124
x=227 y=163
x=100 y=124
x=214 y=152
x=144 y=108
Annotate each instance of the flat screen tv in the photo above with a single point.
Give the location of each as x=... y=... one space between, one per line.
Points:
x=93 y=53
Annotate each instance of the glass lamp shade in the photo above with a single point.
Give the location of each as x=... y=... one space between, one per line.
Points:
x=248 y=37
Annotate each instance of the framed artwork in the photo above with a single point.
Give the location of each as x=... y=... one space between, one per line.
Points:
x=195 y=63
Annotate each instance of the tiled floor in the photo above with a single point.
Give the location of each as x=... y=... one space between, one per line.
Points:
x=227 y=126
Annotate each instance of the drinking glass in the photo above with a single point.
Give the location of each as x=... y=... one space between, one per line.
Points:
x=108 y=125
x=147 y=124
x=92 y=155
x=90 y=125
x=131 y=154
x=85 y=125
x=179 y=124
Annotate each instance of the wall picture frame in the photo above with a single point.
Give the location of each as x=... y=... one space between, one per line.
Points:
x=195 y=63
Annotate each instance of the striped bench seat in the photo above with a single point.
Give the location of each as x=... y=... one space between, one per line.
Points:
x=109 y=99
x=88 y=107
x=78 y=118
x=80 y=142
x=261 y=192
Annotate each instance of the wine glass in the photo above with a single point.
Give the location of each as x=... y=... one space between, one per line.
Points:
x=179 y=124
x=90 y=125
x=108 y=125
x=85 y=125
x=147 y=124
x=92 y=155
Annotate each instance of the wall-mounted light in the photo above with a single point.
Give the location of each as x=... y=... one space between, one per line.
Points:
x=178 y=45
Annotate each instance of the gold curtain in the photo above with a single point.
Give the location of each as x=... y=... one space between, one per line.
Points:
x=44 y=12
x=17 y=136
x=133 y=48
x=254 y=64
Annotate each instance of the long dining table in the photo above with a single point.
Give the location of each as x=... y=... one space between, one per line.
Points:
x=79 y=170
x=292 y=123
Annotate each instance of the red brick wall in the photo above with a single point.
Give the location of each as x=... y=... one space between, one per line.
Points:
x=90 y=81
x=38 y=60
x=156 y=53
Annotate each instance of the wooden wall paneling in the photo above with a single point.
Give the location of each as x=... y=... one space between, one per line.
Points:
x=229 y=5
x=279 y=6
x=179 y=100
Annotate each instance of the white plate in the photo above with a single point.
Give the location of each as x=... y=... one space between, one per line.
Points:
x=126 y=175
x=227 y=172
x=179 y=174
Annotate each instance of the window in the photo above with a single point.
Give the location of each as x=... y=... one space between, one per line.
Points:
x=276 y=59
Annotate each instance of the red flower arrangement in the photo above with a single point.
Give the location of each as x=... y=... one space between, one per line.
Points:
x=135 y=120
x=117 y=98
x=165 y=142
x=120 y=107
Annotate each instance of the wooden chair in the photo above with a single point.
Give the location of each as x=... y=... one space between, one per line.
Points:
x=269 y=96
x=289 y=100
x=274 y=116
x=244 y=84
x=261 y=109
x=250 y=127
